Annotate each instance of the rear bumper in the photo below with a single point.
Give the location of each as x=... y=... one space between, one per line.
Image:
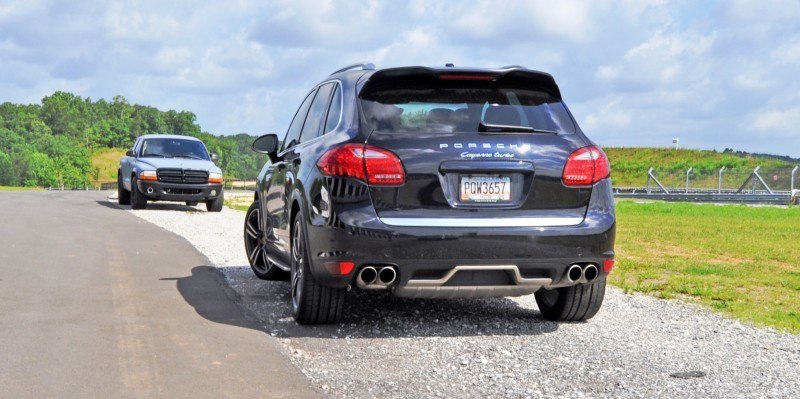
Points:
x=532 y=257
x=539 y=257
x=155 y=190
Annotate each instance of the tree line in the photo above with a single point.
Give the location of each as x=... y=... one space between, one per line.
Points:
x=51 y=144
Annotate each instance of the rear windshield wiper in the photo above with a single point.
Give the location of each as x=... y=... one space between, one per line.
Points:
x=492 y=128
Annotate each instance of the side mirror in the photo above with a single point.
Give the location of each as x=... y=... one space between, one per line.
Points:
x=267 y=144
x=214 y=157
x=129 y=153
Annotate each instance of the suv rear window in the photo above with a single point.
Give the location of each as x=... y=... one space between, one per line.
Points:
x=460 y=107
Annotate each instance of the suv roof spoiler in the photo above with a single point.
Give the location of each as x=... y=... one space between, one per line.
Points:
x=365 y=66
x=509 y=74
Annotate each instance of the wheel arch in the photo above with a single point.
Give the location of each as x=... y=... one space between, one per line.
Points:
x=294 y=210
x=298 y=205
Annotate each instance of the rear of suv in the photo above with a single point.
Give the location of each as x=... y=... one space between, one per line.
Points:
x=434 y=183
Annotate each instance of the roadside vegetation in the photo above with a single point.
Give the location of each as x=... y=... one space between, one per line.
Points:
x=238 y=202
x=70 y=141
x=106 y=162
x=740 y=260
x=16 y=188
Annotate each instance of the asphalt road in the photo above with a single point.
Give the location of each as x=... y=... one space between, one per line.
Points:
x=97 y=302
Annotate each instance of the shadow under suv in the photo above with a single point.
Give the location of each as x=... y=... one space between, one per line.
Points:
x=434 y=183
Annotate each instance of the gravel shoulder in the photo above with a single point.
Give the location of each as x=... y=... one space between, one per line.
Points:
x=392 y=347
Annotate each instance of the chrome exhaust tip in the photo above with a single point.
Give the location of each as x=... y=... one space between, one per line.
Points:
x=366 y=276
x=590 y=272
x=574 y=273
x=387 y=275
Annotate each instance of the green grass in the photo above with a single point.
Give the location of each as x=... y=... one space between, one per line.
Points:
x=15 y=188
x=106 y=160
x=743 y=261
x=239 y=203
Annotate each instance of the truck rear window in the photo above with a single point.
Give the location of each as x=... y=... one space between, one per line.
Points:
x=461 y=106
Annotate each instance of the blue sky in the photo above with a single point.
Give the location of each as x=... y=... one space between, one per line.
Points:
x=635 y=73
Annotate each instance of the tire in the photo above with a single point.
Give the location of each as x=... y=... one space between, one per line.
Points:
x=215 y=205
x=191 y=203
x=576 y=303
x=312 y=303
x=255 y=245
x=138 y=200
x=123 y=195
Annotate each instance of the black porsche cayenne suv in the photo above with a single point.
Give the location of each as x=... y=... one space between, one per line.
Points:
x=434 y=183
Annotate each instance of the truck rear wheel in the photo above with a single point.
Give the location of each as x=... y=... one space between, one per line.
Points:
x=576 y=303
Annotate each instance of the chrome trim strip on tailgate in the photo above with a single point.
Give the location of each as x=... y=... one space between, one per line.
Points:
x=484 y=222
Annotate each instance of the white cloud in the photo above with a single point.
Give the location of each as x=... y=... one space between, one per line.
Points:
x=611 y=115
x=751 y=81
x=777 y=120
x=517 y=20
x=606 y=72
x=633 y=72
x=788 y=52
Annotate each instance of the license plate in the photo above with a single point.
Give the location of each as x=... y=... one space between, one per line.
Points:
x=485 y=188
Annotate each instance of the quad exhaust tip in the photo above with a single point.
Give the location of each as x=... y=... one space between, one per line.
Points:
x=371 y=278
x=387 y=275
x=367 y=276
x=582 y=274
x=590 y=272
x=574 y=273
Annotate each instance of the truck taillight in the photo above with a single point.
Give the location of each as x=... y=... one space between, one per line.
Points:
x=373 y=165
x=585 y=166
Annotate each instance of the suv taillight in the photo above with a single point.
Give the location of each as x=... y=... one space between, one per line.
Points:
x=370 y=164
x=585 y=166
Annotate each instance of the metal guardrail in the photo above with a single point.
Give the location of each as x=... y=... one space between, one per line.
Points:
x=710 y=196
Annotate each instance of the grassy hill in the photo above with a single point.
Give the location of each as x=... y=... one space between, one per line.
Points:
x=629 y=166
x=106 y=160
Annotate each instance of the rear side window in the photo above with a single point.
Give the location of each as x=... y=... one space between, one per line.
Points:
x=335 y=110
x=293 y=134
x=316 y=114
x=461 y=106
